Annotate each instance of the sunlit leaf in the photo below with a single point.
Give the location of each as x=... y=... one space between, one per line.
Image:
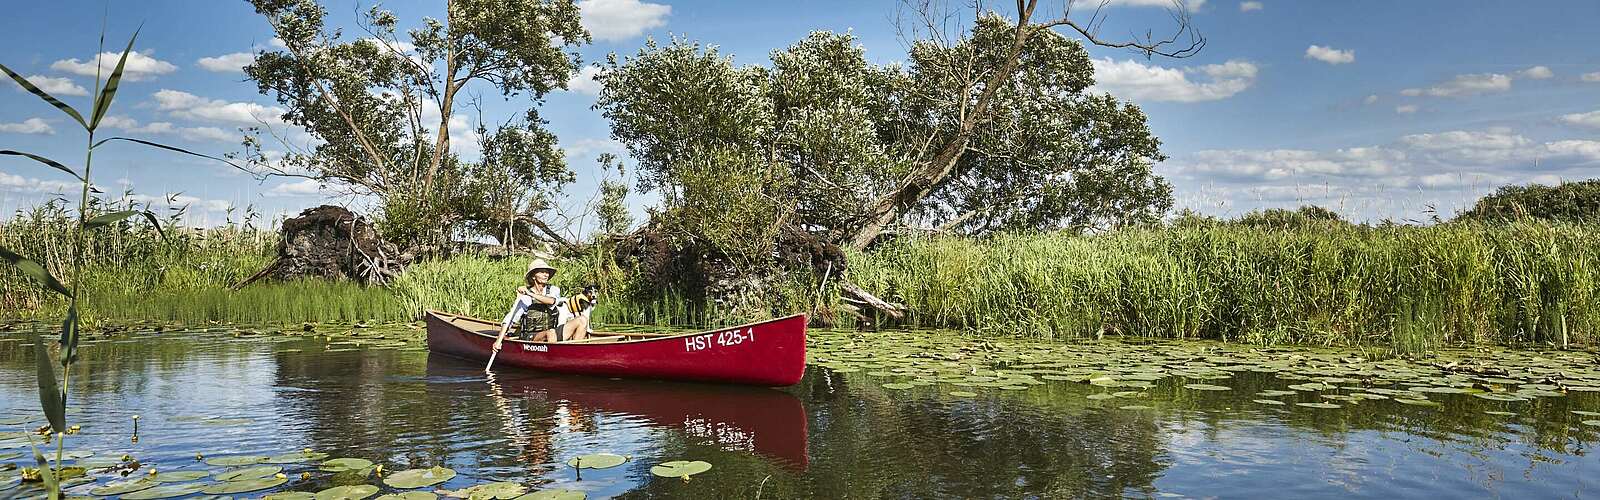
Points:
x=34 y=270
x=680 y=468
x=417 y=478
x=103 y=103
x=50 y=397
x=35 y=90
x=49 y=162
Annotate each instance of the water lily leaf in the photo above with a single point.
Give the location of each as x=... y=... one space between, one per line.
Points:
x=554 y=495
x=124 y=487
x=1100 y=396
x=248 y=473
x=1417 y=402
x=179 y=476
x=291 y=495
x=1496 y=396
x=242 y=486
x=1328 y=406
x=897 y=386
x=293 y=458
x=1500 y=413
x=597 y=461
x=410 y=495
x=1592 y=423
x=352 y=492
x=1136 y=407
x=235 y=461
x=1269 y=402
x=1207 y=387
x=346 y=464
x=1586 y=413
x=680 y=468
x=490 y=491
x=417 y=478
x=963 y=394
x=165 y=491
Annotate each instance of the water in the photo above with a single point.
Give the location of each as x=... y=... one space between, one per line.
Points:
x=834 y=435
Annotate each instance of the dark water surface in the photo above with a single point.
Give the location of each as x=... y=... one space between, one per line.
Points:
x=835 y=435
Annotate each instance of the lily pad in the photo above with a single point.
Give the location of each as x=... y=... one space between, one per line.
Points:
x=291 y=495
x=490 y=491
x=165 y=491
x=963 y=394
x=1136 y=407
x=597 y=461
x=897 y=386
x=1269 y=402
x=294 y=458
x=1207 y=387
x=409 y=495
x=1495 y=396
x=1326 y=406
x=1586 y=413
x=554 y=495
x=680 y=468
x=124 y=487
x=242 y=486
x=417 y=478
x=353 y=492
x=345 y=464
x=236 y=461
x=1417 y=402
x=248 y=473
x=1100 y=396
x=179 y=476
x=1500 y=413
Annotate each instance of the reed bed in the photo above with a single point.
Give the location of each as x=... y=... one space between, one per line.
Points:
x=1410 y=288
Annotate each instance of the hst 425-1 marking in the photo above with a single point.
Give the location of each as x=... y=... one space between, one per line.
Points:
x=723 y=338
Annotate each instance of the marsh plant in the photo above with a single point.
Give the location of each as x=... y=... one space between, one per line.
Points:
x=53 y=392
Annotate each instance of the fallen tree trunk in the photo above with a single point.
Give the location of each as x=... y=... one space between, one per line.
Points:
x=893 y=310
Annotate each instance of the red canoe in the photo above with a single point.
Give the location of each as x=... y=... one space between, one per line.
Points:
x=771 y=353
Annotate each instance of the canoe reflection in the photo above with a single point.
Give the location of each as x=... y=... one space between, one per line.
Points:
x=767 y=421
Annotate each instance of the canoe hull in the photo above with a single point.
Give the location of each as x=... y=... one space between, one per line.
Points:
x=770 y=353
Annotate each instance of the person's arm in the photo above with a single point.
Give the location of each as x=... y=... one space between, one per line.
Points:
x=517 y=310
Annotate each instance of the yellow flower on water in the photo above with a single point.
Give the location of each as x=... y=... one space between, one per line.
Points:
x=280 y=476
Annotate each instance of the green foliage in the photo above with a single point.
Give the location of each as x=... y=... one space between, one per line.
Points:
x=1278 y=218
x=365 y=101
x=1568 y=201
x=612 y=208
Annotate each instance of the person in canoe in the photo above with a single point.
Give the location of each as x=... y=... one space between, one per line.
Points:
x=541 y=315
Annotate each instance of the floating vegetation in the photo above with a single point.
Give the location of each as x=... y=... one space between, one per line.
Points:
x=1207 y=387
x=165 y=491
x=963 y=394
x=554 y=495
x=179 y=476
x=243 y=486
x=248 y=473
x=294 y=458
x=490 y=491
x=1327 y=406
x=597 y=461
x=417 y=478
x=898 y=386
x=123 y=487
x=236 y=461
x=409 y=495
x=1417 y=402
x=345 y=464
x=291 y=495
x=680 y=468
x=351 y=492
x=1273 y=402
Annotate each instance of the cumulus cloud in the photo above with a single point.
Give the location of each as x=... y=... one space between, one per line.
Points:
x=592 y=147
x=1330 y=55
x=1249 y=6
x=304 y=187
x=197 y=134
x=181 y=200
x=1465 y=85
x=55 y=86
x=140 y=66
x=1406 y=109
x=20 y=184
x=1590 y=119
x=1590 y=77
x=28 y=126
x=189 y=106
x=227 y=63
x=1136 y=81
x=618 y=20
x=1536 y=73
x=1371 y=99
x=584 y=82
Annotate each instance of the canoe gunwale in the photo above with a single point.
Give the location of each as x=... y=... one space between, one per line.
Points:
x=450 y=319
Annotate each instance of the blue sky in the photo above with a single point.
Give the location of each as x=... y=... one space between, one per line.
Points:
x=1374 y=108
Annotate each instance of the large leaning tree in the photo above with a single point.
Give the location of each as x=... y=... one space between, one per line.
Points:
x=379 y=106
x=990 y=128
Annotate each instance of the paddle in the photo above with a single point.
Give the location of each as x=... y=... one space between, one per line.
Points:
x=492 y=354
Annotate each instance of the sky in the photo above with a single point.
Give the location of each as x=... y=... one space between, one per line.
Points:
x=1376 y=109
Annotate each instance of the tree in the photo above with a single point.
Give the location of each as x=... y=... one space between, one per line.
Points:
x=993 y=131
x=1568 y=201
x=381 y=108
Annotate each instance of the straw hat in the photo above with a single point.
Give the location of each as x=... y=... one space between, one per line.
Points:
x=536 y=265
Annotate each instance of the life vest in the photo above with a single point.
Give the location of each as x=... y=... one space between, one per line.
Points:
x=576 y=304
x=539 y=317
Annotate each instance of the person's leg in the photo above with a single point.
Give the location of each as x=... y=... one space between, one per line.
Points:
x=578 y=328
x=544 y=336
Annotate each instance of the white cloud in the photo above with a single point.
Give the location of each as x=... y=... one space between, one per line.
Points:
x=1249 y=6
x=618 y=20
x=584 y=82
x=140 y=67
x=1465 y=85
x=1133 y=80
x=305 y=187
x=1192 y=5
x=55 y=86
x=227 y=63
x=28 y=126
x=179 y=200
x=1371 y=99
x=202 y=134
x=189 y=106
x=592 y=147
x=1406 y=109
x=197 y=134
x=1591 y=77
x=1330 y=55
x=1590 y=119
x=20 y=184
x=1586 y=152
x=1536 y=73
